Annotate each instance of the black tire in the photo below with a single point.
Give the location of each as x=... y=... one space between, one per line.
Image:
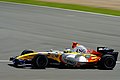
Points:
x=27 y=52
x=107 y=62
x=39 y=61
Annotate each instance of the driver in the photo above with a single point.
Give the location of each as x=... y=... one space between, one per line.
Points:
x=78 y=48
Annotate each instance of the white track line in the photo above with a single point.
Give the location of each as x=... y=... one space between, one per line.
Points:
x=6 y=61
x=118 y=62
x=61 y=9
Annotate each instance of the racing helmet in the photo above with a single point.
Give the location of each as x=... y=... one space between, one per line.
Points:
x=74 y=44
x=67 y=50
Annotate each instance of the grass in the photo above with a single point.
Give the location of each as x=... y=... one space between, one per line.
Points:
x=69 y=6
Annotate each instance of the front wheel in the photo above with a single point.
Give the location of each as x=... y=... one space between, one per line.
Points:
x=39 y=61
x=107 y=62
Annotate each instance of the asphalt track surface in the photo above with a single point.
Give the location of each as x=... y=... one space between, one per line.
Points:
x=39 y=28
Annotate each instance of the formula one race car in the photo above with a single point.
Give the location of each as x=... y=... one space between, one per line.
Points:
x=103 y=58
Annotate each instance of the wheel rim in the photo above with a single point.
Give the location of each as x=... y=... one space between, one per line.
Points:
x=109 y=63
x=41 y=61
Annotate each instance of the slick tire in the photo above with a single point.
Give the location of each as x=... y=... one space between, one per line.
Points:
x=107 y=62
x=39 y=62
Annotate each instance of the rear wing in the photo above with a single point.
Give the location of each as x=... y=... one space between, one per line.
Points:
x=106 y=50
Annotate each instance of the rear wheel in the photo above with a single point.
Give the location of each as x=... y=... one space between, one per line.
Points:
x=39 y=61
x=107 y=62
